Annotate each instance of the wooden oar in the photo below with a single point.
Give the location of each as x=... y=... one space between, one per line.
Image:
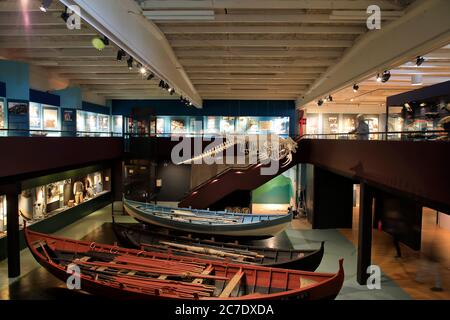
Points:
x=206 y=250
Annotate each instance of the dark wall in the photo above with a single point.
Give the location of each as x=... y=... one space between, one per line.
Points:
x=45 y=98
x=175 y=181
x=238 y=198
x=22 y=155
x=400 y=217
x=330 y=204
x=418 y=170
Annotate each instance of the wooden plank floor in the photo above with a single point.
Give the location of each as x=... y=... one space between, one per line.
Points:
x=404 y=271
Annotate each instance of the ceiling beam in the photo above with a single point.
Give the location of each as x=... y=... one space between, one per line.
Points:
x=245 y=29
x=263 y=43
x=300 y=70
x=266 y=4
x=44 y=32
x=258 y=53
x=392 y=45
x=261 y=75
x=255 y=62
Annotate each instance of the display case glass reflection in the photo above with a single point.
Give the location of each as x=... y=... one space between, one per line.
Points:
x=227 y=125
x=35 y=116
x=178 y=126
x=330 y=123
x=50 y=119
x=2 y=117
x=312 y=124
x=3 y=218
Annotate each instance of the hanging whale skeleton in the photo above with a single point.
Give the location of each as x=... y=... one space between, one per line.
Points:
x=275 y=149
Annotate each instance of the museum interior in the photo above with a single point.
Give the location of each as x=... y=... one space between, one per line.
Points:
x=225 y=150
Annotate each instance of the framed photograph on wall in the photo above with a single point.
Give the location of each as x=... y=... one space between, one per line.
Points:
x=68 y=115
x=18 y=108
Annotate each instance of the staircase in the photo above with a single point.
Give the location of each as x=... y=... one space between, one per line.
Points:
x=211 y=184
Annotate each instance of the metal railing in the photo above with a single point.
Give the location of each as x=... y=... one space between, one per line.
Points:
x=55 y=133
x=429 y=135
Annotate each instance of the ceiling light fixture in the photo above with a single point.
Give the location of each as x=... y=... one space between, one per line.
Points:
x=320 y=102
x=355 y=88
x=419 y=61
x=120 y=54
x=384 y=77
x=45 y=5
x=150 y=76
x=130 y=63
x=142 y=70
x=65 y=15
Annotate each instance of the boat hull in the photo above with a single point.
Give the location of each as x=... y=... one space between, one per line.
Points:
x=261 y=229
x=327 y=286
x=135 y=237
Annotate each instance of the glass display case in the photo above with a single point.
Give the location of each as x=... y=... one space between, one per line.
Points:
x=42 y=202
x=117 y=125
x=90 y=123
x=35 y=116
x=3 y=218
x=3 y=118
x=330 y=123
x=312 y=124
x=51 y=118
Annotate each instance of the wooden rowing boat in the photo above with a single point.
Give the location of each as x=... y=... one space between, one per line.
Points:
x=219 y=223
x=120 y=273
x=136 y=236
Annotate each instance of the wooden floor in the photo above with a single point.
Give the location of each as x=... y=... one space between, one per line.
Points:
x=414 y=272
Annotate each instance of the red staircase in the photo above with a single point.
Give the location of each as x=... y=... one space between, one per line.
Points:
x=230 y=180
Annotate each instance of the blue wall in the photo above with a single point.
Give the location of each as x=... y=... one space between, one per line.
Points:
x=70 y=97
x=271 y=108
x=15 y=75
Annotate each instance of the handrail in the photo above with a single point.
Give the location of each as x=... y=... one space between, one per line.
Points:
x=51 y=133
x=384 y=135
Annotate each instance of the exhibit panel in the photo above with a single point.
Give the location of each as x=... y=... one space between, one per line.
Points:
x=95 y=124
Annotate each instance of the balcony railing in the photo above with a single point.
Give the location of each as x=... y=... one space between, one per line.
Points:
x=430 y=135
x=55 y=133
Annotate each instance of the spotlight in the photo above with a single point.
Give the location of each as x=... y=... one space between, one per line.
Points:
x=120 y=54
x=161 y=84
x=45 y=5
x=130 y=63
x=329 y=98
x=142 y=70
x=355 y=88
x=384 y=77
x=171 y=91
x=420 y=60
x=105 y=40
x=378 y=78
x=320 y=102
x=65 y=15
x=150 y=76
x=166 y=86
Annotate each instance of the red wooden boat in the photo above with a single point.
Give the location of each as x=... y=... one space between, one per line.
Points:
x=121 y=273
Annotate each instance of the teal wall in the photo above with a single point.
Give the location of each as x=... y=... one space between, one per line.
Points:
x=16 y=77
x=279 y=190
x=71 y=98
